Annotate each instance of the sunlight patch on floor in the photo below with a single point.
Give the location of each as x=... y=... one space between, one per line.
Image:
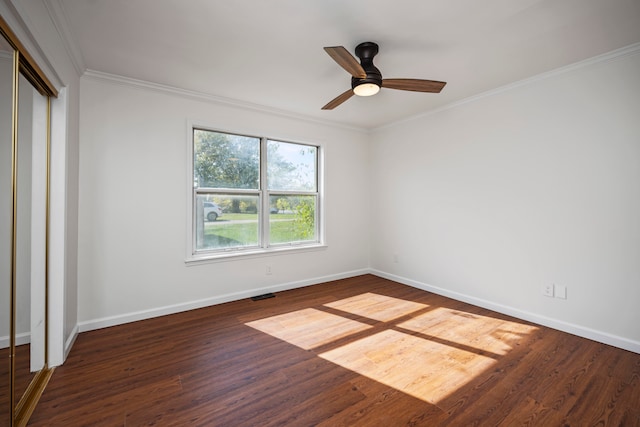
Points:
x=308 y=328
x=427 y=370
x=426 y=352
x=376 y=307
x=484 y=333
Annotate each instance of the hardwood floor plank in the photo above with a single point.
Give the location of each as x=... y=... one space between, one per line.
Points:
x=385 y=406
x=297 y=360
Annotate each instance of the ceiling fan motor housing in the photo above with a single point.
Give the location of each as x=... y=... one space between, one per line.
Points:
x=366 y=51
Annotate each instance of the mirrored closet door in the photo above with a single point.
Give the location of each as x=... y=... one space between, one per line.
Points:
x=24 y=212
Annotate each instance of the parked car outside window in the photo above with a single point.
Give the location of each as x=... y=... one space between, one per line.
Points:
x=211 y=211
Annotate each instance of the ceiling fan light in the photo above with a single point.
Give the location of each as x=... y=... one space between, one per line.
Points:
x=366 y=89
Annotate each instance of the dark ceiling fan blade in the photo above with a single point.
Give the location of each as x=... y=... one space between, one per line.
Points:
x=346 y=61
x=415 y=85
x=338 y=100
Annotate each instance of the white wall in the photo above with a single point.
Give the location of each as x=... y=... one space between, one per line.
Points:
x=133 y=198
x=537 y=184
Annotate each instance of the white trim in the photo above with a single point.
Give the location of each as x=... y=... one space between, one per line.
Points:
x=213 y=99
x=239 y=254
x=70 y=341
x=581 y=331
x=571 y=328
x=633 y=49
x=23 y=338
x=105 y=322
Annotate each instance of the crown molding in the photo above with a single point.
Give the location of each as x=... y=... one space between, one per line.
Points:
x=213 y=99
x=614 y=55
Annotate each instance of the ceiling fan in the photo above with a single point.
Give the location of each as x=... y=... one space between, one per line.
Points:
x=366 y=79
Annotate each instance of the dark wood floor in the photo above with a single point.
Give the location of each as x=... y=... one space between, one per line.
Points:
x=356 y=352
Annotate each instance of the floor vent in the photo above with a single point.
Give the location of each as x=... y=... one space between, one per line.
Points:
x=263 y=296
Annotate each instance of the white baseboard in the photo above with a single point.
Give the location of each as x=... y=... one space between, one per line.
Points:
x=105 y=322
x=23 y=338
x=70 y=341
x=560 y=325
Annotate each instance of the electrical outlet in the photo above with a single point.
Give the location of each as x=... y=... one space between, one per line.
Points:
x=547 y=290
x=268 y=270
x=561 y=291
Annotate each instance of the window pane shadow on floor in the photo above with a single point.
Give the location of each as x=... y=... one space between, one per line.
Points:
x=426 y=352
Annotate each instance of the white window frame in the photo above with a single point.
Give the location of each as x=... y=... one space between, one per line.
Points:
x=264 y=248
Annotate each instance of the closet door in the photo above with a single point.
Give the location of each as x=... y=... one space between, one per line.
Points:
x=24 y=216
x=6 y=227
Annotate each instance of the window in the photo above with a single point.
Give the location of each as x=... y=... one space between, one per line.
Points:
x=252 y=194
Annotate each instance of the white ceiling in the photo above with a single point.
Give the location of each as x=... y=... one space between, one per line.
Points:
x=270 y=53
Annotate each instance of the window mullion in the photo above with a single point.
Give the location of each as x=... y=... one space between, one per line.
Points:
x=264 y=195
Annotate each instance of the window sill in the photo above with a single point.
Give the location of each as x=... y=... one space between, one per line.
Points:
x=250 y=253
